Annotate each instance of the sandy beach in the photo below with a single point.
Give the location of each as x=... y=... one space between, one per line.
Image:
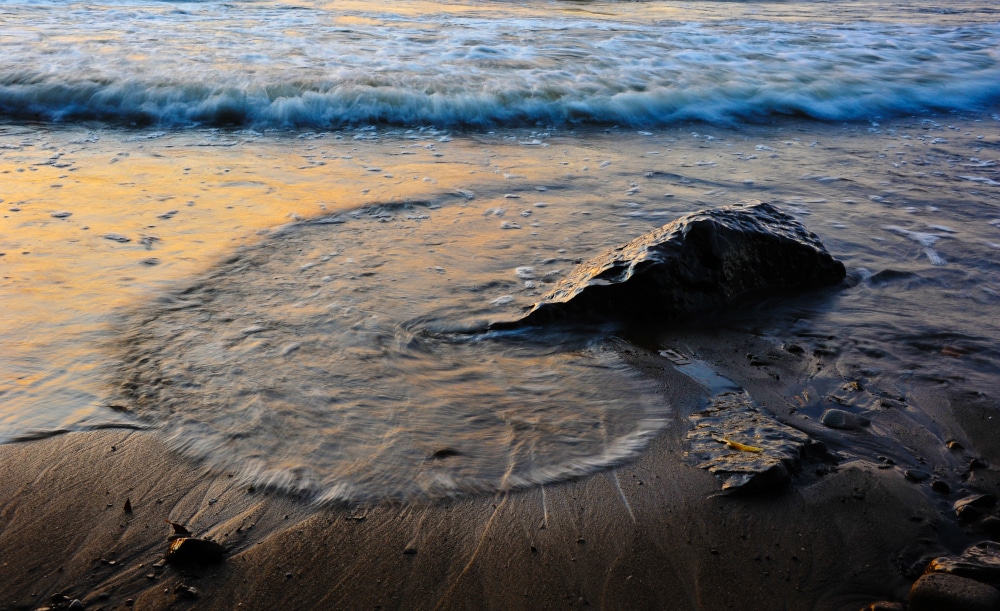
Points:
x=251 y=254
x=653 y=533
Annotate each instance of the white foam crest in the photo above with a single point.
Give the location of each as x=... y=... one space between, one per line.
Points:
x=194 y=67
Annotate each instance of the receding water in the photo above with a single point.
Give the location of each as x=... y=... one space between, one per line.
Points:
x=162 y=163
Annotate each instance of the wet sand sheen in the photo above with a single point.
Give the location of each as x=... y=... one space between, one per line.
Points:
x=872 y=196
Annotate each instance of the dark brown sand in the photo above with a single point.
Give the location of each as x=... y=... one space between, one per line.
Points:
x=651 y=534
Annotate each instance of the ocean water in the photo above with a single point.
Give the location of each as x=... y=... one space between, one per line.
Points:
x=261 y=229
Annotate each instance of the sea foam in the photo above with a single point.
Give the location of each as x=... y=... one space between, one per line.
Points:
x=267 y=67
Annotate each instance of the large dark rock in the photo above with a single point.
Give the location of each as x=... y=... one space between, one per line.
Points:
x=701 y=262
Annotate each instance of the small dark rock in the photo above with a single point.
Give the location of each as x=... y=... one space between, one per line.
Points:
x=973 y=507
x=445 y=453
x=940 y=487
x=916 y=475
x=938 y=591
x=794 y=349
x=839 y=419
x=76 y=604
x=968 y=513
x=188 y=550
x=186 y=591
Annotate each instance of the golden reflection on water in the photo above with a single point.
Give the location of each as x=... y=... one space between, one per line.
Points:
x=180 y=205
x=182 y=201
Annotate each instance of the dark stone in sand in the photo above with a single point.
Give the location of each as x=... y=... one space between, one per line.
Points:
x=188 y=550
x=186 y=591
x=701 y=262
x=974 y=507
x=980 y=562
x=839 y=419
x=940 y=591
x=916 y=475
x=940 y=487
x=747 y=449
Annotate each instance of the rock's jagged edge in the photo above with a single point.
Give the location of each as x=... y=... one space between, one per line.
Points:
x=700 y=262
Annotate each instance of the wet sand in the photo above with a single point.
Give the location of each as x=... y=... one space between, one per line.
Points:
x=653 y=533
x=650 y=533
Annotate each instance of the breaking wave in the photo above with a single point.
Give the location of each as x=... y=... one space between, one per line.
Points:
x=167 y=67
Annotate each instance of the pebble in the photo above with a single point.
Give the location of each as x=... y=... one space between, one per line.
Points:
x=916 y=475
x=940 y=487
x=117 y=237
x=839 y=419
x=937 y=591
x=186 y=591
x=61 y=215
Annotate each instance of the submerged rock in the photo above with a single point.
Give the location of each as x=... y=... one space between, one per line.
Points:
x=701 y=262
x=744 y=447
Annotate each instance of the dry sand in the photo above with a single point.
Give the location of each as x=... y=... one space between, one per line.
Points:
x=651 y=534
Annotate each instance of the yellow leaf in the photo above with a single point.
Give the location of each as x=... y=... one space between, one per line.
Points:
x=742 y=447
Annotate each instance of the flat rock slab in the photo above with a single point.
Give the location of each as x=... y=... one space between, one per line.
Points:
x=746 y=448
x=939 y=591
x=701 y=262
x=980 y=562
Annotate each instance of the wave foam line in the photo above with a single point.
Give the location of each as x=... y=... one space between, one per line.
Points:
x=347 y=104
